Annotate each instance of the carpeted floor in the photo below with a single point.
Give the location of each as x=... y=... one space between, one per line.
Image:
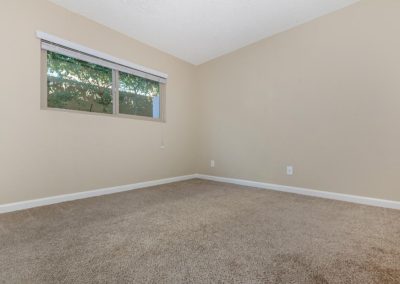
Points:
x=201 y=232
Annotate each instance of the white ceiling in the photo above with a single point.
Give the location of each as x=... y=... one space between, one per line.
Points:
x=200 y=30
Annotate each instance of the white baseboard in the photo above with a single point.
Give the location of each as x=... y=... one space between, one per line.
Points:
x=309 y=192
x=10 y=207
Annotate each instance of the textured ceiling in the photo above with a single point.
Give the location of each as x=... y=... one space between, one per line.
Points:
x=200 y=30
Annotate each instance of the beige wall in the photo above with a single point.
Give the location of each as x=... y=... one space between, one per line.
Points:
x=45 y=153
x=323 y=97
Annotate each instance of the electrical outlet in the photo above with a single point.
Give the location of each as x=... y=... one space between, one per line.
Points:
x=289 y=170
x=212 y=164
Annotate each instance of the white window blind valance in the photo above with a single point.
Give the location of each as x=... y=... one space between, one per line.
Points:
x=58 y=45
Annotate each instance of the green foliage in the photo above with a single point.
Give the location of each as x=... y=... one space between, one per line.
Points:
x=136 y=95
x=79 y=85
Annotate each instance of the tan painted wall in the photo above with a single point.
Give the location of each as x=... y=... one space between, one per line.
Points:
x=45 y=153
x=324 y=97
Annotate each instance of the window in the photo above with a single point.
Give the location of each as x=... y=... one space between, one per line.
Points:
x=138 y=96
x=78 y=81
x=78 y=85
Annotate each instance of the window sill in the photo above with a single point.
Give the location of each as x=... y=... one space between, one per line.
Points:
x=135 y=117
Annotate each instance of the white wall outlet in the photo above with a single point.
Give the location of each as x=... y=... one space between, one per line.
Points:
x=212 y=164
x=289 y=170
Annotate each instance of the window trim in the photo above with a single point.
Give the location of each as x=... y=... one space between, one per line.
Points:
x=86 y=50
x=115 y=86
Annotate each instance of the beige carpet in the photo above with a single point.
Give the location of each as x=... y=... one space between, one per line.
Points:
x=201 y=232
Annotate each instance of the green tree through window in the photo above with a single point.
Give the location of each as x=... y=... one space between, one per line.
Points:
x=78 y=85
x=138 y=96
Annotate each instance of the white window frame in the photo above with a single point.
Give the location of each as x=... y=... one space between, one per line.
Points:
x=67 y=48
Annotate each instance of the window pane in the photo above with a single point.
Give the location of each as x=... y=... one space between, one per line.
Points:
x=138 y=96
x=78 y=85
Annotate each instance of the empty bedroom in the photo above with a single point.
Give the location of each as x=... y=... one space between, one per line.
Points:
x=200 y=141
